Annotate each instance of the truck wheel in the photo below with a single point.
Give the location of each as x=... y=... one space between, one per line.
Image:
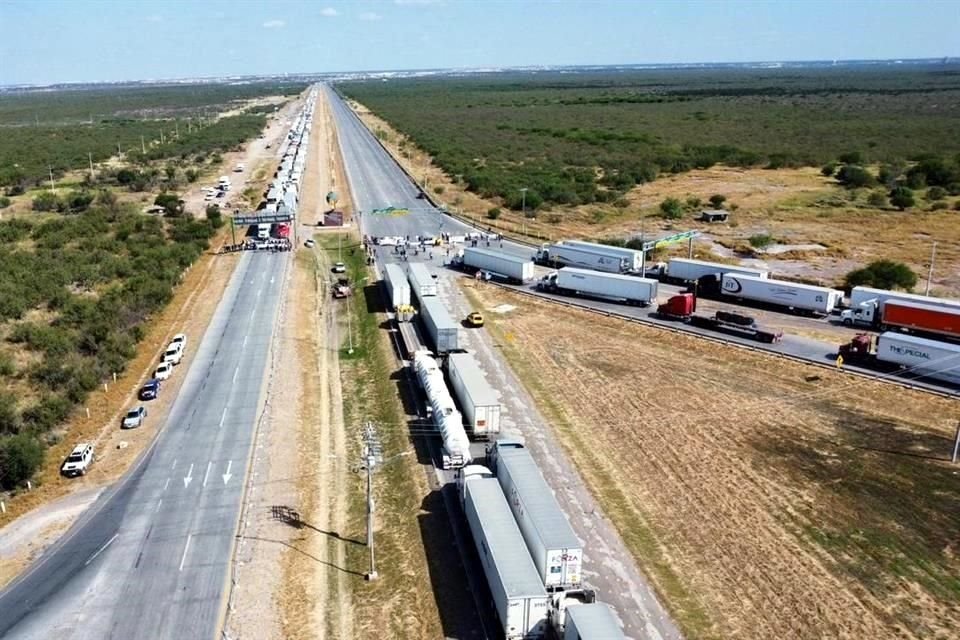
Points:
x=847 y=322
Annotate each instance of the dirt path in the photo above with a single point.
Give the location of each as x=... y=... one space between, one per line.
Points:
x=764 y=499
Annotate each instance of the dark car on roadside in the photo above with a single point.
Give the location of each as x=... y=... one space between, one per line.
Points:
x=150 y=390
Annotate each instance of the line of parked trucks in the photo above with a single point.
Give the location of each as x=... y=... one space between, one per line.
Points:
x=531 y=558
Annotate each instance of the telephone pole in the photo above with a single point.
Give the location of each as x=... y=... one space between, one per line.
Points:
x=933 y=257
x=373 y=455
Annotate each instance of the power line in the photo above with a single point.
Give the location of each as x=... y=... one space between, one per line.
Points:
x=372 y=456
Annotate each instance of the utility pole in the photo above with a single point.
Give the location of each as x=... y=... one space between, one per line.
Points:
x=162 y=141
x=176 y=128
x=933 y=257
x=956 y=445
x=52 y=186
x=643 y=244
x=523 y=208
x=143 y=146
x=373 y=455
x=90 y=158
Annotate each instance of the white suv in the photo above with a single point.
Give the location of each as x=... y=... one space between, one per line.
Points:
x=179 y=339
x=173 y=354
x=78 y=461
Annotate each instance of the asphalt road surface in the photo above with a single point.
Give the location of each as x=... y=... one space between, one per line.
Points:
x=150 y=559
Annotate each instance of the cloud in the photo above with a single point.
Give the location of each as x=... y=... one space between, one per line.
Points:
x=273 y=24
x=329 y=12
x=370 y=16
x=154 y=18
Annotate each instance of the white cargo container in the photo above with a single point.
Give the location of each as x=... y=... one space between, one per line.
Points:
x=790 y=295
x=930 y=358
x=422 y=283
x=509 y=266
x=556 y=551
x=634 y=258
x=477 y=398
x=692 y=270
x=398 y=289
x=611 y=286
x=591 y=622
x=443 y=413
x=866 y=302
x=563 y=255
x=443 y=331
x=521 y=602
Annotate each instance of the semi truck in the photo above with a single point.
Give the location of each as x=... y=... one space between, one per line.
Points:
x=556 y=550
x=441 y=328
x=920 y=356
x=497 y=263
x=634 y=258
x=609 y=286
x=906 y=311
x=443 y=412
x=682 y=307
x=865 y=303
x=521 y=602
x=591 y=622
x=422 y=284
x=479 y=402
x=792 y=296
x=564 y=255
x=686 y=271
x=398 y=289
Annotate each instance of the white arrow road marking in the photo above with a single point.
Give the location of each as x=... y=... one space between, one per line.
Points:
x=185 y=549
x=228 y=475
x=207 y=474
x=189 y=478
x=101 y=549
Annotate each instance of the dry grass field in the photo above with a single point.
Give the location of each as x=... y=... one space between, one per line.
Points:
x=764 y=499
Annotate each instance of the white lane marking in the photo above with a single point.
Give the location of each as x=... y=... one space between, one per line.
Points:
x=245 y=341
x=166 y=484
x=101 y=549
x=207 y=474
x=259 y=291
x=235 y=372
x=228 y=475
x=189 y=478
x=158 y=506
x=271 y=280
x=174 y=464
x=223 y=416
x=185 y=549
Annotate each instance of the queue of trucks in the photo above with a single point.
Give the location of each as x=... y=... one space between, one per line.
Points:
x=496 y=263
x=597 y=284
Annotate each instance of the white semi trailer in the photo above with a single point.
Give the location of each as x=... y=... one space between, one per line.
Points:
x=792 y=296
x=609 y=286
x=443 y=331
x=505 y=265
x=564 y=255
x=422 y=283
x=398 y=289
x=929 y=358
x=555 y=548
x=634 y=258
x=867 y=302
x=519 y=598
x=591 y=622
x=687 y=270
x=443 y=412
x=477 y=398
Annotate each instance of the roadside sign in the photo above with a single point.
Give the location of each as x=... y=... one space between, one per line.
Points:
x=262 y=219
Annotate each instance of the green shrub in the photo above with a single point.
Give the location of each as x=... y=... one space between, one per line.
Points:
x=852 y=176
x=671 y=209
x=493 y=213
x=20 y=457
x=883 y=274
x=47 y=414
x=936 y=193
x=829 y=169
x=7 y=366
x=4 y=202
x=439 y=189
x=717 y=200
x=877 y=199
x=47 y=201
x=761 y=240
x=939 y=205
x=902 y=198
x=9 y=417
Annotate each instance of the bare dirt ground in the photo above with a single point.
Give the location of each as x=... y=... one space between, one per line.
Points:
x=795 y=206
x=765 y=499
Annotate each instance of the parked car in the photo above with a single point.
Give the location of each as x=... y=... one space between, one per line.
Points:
x=134 y=418
x=173 y=355
x=150 y=390
x=163 y=371
x=179 y=339
x=475 y=319
x=309 y=242
x=339 y=268
x=78 y=461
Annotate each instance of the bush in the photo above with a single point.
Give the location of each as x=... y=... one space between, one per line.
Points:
x=20 y=456
x=853 y=176
x=939 y=205
x=717 y=200
x=851 y=157
x=4 y=202
x=493 y=213
x=171 y=203
x=883 y=274
x=761 y=240
x=829 y=169
x=46 y=201
x=693 y=202
x=47 y=414
x=9 y=418
x=214 y=215
x=671 y=209
x=7 y=365
x=439 y=189
x=936 y=193
x=956 y=205
x=877 y=199
x=902 y=198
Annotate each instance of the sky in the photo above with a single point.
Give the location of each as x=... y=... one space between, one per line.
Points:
x=50 y=41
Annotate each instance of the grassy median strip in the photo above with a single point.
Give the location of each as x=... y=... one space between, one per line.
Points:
x=399 y=604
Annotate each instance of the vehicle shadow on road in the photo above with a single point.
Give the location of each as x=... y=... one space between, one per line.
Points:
x=458 y=614
x=291 y=517
x=303 y=553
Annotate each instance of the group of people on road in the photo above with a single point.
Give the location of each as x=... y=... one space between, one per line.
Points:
x=273 y=245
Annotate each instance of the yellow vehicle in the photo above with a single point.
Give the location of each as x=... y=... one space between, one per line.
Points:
x=475 y=319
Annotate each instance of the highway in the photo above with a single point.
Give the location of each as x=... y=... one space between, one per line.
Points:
x=151 y=558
